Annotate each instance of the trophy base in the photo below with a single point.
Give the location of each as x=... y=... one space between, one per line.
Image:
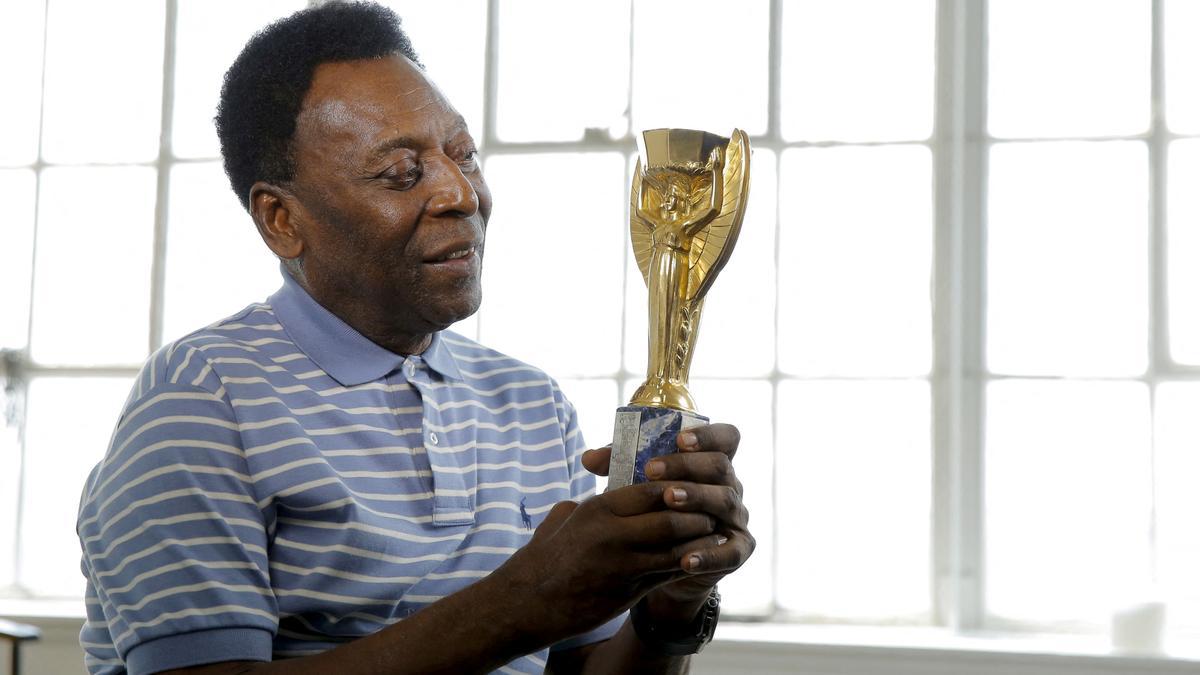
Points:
x=640 y=434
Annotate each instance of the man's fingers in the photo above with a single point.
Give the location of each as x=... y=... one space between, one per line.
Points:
x=597 y=460
x=662 y=528
x=720 y=501
x=633 y=500
x=723 y=438
x=673 y=559
x=726 y=557
x=713 y=468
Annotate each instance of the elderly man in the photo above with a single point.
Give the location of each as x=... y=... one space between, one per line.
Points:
x=332 y=482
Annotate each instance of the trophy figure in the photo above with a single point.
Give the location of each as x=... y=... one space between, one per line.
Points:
x=685 y=211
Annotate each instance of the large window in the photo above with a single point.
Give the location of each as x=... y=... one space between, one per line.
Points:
x=960 y=331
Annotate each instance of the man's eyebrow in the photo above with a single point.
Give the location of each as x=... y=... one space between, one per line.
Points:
x=460 y=126
x=410 y=143
x=393 y=144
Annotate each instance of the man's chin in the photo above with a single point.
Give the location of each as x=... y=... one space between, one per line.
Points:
x=448 y=313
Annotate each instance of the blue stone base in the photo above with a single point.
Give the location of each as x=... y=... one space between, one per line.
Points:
x=641 y=434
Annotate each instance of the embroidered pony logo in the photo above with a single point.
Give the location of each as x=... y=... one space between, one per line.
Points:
x=525 y=519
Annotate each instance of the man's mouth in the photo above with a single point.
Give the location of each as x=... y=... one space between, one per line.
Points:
x=457 y=253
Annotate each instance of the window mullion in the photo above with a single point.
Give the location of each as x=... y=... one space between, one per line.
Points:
x=1160 y=357
x=491 y=66
x=158 y=270
x=960 y=156
x=774 y=114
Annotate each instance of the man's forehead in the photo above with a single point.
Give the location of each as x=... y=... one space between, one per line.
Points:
x=368 y=97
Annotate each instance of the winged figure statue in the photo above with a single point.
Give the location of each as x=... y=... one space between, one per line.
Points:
x=685 y=213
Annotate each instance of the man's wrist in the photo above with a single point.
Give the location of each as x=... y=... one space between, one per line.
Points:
x=675 y=606
x=676 y=629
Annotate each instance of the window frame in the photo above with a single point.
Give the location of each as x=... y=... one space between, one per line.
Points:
x=959 y=377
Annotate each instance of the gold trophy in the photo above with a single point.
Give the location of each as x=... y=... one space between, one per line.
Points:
x=685 y=212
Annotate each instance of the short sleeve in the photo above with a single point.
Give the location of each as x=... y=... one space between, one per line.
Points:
x=174 y=541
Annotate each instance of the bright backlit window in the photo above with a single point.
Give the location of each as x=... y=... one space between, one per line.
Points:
x=960 y=332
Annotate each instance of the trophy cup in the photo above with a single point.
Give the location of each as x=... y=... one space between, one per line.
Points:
x=685 y=211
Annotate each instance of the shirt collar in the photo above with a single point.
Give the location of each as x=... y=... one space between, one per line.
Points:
x=347 y=355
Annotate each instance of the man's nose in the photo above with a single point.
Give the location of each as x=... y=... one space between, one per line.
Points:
x=453 y=193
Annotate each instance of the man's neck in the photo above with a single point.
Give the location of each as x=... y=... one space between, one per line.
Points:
x=391 y=339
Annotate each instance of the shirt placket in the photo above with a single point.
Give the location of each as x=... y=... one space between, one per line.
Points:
x=453 y=503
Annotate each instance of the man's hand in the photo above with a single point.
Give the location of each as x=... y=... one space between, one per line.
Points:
x=588 y=562
x=699 y=479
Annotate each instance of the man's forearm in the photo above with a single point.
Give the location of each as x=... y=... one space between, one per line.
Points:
x=626 y=653
x=475 y=630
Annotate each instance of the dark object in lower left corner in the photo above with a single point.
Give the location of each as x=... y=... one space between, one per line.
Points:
x=15 y=634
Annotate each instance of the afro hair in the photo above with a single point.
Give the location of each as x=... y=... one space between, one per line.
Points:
x=266 y=85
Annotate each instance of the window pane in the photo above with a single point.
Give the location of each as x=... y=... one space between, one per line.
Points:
x=449 y=36
x=595 y=403
x=103 y=92
x=736 y=328
x=552 y=274
x=637 y=318
x=563 y=68
x=17 y=194
x=747 y=404
x=209 y=36
x=59 y=454
x=1068 y=67
x=10 y=472
x=216 y=262
x=22 y=26
x=1182 y=65
x=1183 y=253
x=857 y=70
x=1177 y=471
x=855 y=251
x=1067 y=258
x=1068 y=498
x=718 y=48
x=91 y=299
x=855 y=543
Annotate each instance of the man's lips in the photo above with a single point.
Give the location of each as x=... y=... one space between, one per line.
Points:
x=456 y=252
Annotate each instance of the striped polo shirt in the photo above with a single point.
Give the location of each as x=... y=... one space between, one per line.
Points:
x=278 y=485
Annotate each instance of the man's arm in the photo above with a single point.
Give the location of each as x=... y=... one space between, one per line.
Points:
x=585 y=564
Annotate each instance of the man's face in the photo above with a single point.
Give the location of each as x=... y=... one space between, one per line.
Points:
x=393 y=204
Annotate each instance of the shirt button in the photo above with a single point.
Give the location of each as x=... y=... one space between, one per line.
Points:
x=433 y=438
x=411 y=368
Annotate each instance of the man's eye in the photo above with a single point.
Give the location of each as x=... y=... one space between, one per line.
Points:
x=470 y=159
x=400 y=178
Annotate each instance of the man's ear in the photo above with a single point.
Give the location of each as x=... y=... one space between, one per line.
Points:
x=274 y=210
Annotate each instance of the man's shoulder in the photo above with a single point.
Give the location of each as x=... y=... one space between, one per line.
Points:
x=252 y=334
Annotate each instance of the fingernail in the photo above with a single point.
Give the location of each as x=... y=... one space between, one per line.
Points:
x=693 y=562
x=679 y=495
x=655 y=469
x=688 y=440
x=721 y=540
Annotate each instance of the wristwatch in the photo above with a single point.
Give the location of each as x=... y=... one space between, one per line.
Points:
x=673 y=640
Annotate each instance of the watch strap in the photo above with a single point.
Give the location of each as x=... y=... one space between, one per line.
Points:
x=674 y=640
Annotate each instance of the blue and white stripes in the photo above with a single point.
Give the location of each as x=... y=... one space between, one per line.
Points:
x=278 y=485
